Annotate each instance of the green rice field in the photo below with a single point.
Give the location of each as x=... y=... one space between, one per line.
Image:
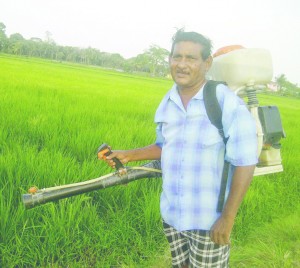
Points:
x=55 y=115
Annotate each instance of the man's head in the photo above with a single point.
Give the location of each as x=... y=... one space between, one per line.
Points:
x=190 y=59
x=194 y=37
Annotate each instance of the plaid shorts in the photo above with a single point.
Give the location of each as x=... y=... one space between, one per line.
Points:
x=195 y=249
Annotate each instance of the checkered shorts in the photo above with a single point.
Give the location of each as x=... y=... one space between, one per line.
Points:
x=195 y=249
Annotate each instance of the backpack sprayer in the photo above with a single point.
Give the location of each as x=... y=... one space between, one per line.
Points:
x=247 y=71
x=123 y=175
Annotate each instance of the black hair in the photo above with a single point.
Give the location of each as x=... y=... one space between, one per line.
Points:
x=181 y=35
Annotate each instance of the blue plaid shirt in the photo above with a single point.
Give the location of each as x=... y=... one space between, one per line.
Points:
x=193 y=155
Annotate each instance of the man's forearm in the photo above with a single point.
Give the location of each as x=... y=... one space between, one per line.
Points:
x=150 y=152
x=240 y=183
x=220 y=231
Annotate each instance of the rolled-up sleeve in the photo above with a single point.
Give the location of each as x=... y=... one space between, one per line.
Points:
x=159 y=137
x=241 y=149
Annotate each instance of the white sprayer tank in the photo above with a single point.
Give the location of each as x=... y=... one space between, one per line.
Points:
x=242 y=67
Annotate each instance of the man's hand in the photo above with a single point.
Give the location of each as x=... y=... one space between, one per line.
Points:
x=123 y=156
x=221 y=230
x=151 y=152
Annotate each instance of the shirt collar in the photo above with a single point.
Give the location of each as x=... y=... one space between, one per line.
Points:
x=174 y=95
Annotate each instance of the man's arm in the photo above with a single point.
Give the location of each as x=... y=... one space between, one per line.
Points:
x=150 y=152
x=220 y=231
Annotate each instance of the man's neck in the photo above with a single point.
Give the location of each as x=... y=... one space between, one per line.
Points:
x=192 y=90
x=187 y=93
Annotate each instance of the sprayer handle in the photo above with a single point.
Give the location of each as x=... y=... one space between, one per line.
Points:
x=104 y=150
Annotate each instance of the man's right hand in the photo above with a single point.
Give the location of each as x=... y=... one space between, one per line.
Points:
x=151 y=152
x=122 y=155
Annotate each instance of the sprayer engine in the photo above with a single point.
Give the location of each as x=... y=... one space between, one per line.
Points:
x=247 y=71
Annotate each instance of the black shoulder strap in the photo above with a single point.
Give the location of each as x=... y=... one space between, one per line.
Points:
x=212 y=105
x=214 y=114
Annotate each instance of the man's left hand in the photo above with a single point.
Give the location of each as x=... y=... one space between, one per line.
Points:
x=221 y=230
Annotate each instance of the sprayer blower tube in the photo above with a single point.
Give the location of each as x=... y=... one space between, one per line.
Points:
x=149 y=170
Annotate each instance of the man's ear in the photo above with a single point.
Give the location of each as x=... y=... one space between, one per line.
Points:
x=208 y=63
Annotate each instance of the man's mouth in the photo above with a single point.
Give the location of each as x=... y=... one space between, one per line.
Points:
x=181 y=74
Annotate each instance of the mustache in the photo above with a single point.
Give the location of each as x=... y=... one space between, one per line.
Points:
x=182 y=72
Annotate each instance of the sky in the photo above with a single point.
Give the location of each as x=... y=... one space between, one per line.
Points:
x=131 y=27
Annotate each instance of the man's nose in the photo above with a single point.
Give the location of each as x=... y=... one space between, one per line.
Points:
x=182 y=62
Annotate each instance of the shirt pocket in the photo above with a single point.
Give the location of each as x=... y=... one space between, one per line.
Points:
x=208 y=134
x=207 y=142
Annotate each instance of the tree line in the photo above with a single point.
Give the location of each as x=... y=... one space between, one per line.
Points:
x=153 y=61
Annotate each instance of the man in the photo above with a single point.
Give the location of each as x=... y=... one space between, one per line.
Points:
x=192 y=157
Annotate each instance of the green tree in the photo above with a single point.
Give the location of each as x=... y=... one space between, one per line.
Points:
x=36 y=47
x=154 y=61
x=158 y=60
x=140 y=63
x=3 y=38
x=286 y=87
x=16 y=44
x=281 y=81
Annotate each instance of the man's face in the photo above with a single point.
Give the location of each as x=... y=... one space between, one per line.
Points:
x=187 y=67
